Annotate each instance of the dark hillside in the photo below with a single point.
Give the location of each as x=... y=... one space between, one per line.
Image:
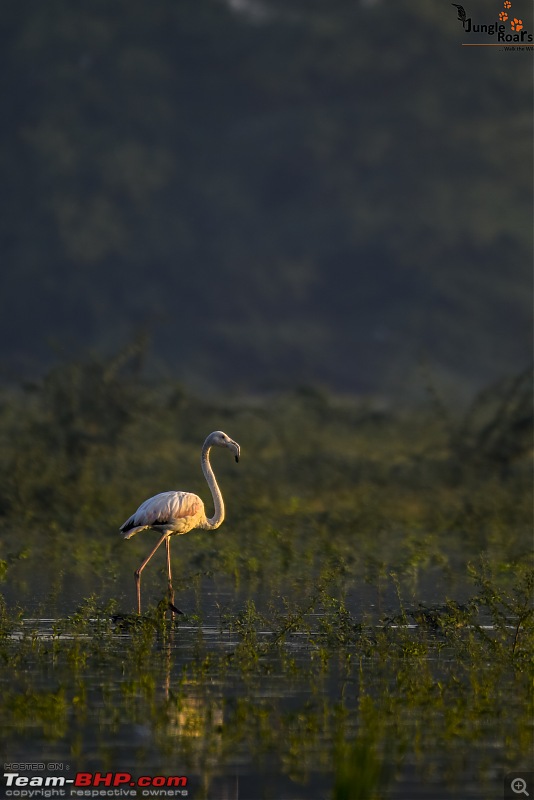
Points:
x=313 y=192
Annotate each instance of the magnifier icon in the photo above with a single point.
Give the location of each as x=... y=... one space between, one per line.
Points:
x=519 y=786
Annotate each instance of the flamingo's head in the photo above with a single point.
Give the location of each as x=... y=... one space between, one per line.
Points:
x=221 y=439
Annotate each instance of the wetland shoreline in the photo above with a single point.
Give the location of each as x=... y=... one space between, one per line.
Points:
x=360 y=627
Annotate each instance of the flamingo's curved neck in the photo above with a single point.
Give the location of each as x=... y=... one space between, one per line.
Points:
x=218 y=502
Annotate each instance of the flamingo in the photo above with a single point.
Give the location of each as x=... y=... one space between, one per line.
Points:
x=173 y=513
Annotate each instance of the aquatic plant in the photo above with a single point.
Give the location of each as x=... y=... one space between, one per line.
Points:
x=366 y=616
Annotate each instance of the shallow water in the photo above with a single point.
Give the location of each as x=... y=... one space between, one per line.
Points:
x=242 y=712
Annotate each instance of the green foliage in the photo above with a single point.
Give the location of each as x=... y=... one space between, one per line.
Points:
x=45 y=710
x=510 y=610
x=325 y=483
x=366 y=605
x=360 y=768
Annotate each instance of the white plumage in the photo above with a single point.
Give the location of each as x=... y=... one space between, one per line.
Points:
x=180 y=512
x=173 y=513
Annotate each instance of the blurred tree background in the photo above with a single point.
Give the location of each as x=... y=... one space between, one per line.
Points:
x=320 y=192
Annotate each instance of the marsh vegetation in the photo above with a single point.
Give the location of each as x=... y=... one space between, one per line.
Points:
x=360 y=627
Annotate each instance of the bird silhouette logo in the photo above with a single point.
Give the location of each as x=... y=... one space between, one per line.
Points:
x=504 y=16
x=462 y=16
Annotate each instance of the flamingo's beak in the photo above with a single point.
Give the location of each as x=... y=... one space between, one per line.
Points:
x=237 y=450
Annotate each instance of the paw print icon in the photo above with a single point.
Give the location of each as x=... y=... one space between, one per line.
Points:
x=516 y=24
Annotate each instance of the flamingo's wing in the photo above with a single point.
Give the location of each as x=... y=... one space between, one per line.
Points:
x=179 y=511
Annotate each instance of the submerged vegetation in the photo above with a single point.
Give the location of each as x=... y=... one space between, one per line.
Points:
x=360 y=627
